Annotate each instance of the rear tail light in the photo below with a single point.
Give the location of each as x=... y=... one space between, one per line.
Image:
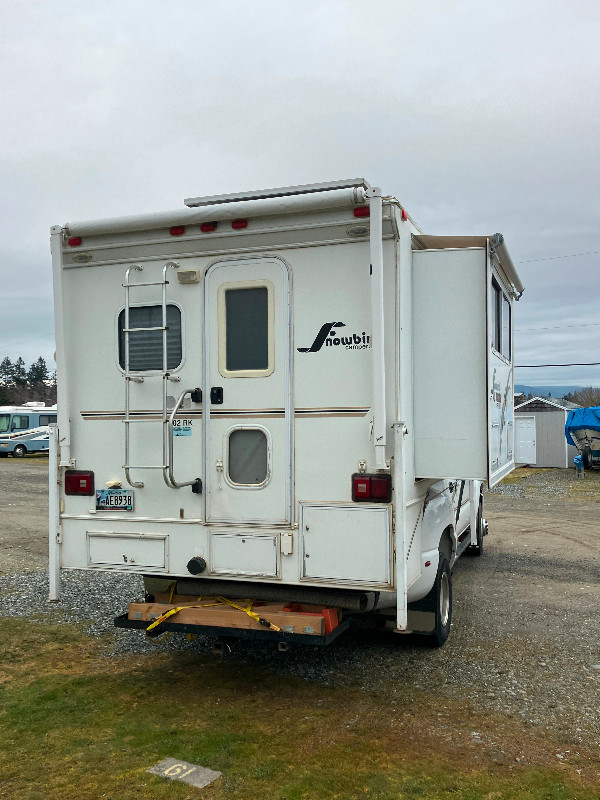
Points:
x=79 y=482
x=74 y=241
x=177 y=230
x=239 y=224
x=362 y=211
x=208 y=227
x=372 y=488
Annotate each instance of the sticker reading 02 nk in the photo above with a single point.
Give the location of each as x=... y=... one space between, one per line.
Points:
x=114 y=500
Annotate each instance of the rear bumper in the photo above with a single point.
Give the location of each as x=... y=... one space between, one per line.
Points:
x=239 y=633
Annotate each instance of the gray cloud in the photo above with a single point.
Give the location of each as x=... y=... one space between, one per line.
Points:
x=479 y=116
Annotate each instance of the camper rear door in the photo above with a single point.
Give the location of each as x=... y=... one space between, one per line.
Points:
x=247 y=392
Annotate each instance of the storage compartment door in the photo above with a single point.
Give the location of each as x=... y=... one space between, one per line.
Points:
x=346 y=544
x=127 y=551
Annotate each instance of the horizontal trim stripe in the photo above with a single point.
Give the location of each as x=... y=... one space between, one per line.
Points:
x=230 y=413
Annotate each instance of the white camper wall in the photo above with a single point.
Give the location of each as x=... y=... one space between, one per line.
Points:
x=450 y=368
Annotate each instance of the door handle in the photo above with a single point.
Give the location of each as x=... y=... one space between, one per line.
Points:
x=216 y=395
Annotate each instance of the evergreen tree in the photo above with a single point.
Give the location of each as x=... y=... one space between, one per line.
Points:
x=38 y=373
x=19 y=373
x=6 y=371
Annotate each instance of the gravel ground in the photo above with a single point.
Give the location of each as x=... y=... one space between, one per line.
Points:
x=525 y=638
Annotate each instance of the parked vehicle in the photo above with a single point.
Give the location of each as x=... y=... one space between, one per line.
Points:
x=582 y=429
x=24 y=429
x=284 y=401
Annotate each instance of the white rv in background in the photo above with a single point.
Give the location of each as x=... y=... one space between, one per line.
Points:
x=24 y=429
x=279 y=407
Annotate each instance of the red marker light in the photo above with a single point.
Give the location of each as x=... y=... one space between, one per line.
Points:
x=381 y=488
x=74 y=241
x=208 y=227
x=239 y=224
x=177 y=230
x=376 y=488
x=404 y=215
x=79 y=482
x=361 y=487
x=362 y=211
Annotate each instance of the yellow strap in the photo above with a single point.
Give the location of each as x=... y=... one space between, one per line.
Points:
x=250 y=613
x=219 y=601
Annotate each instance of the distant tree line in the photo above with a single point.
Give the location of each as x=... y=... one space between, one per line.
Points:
x=586 y=397
x=20 y=385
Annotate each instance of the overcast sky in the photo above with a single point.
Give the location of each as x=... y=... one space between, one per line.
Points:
x=479 y=116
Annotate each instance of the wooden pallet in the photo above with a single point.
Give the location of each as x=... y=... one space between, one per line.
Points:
x=295 y=618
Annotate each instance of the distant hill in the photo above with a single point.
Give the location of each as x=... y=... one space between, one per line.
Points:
x=542 y=391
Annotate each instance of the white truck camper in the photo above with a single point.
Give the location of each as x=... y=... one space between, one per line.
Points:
x=279 y=408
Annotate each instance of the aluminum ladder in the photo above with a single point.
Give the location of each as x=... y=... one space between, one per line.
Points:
x=166 y=417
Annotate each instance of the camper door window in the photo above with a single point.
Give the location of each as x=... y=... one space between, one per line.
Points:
x=20 y=422
x=501 y=321
x=146 y=347
x=246 y=340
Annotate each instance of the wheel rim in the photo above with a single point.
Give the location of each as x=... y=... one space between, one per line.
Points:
x=444 y=599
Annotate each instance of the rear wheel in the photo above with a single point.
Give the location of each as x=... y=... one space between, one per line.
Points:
x=586 y=457
x=477 y=549
x=443 y=602
x=19 y=451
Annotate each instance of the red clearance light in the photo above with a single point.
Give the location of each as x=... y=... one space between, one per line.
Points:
x=177 y=230
x=79 y=482
x=373 y=488
x=404 y=215
x=74 y=241
x=362 y=211
x=208 y=227
x=239 y=224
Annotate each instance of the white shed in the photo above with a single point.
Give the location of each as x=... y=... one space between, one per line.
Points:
x=540 y=433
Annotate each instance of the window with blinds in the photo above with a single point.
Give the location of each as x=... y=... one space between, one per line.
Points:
x=146 y=347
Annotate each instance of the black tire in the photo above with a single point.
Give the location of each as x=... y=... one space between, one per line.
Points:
x=586 y=457
x=442 y=590
x=19 y=451
x=477 y=549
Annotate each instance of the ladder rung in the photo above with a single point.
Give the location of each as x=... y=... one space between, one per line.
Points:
x=149 y=283
x=156 y=328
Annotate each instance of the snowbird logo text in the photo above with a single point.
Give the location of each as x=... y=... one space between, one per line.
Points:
x=327 y=336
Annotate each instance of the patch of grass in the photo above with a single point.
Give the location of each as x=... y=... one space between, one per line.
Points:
x=521 y=474
x=74 y=723
x=587 y=488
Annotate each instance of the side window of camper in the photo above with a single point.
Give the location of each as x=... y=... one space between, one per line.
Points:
x=505 y=339
x=501 y=321
x=496 y=312
x=247 y=457
x=20 y=422
x=146 y=346
x=47 y=419
x=4 y=423
x=246 y=340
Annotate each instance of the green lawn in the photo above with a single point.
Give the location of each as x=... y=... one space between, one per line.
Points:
x=75 y=723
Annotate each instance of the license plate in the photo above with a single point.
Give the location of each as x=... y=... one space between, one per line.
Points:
x=114 y=500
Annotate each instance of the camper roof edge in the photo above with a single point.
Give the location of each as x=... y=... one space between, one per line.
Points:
x=267 y=206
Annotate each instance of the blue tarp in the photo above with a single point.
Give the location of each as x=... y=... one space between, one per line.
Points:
x=582 y=418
